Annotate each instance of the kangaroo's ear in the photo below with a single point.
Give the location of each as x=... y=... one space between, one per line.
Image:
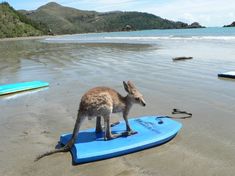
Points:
x=131 y=85
x=126 y=87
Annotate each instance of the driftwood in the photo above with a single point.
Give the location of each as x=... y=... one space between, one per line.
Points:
x=181 y=58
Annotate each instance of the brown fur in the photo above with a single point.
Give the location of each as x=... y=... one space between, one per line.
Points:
x=102 y=102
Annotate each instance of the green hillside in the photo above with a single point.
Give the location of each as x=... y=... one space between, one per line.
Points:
x=61 y=20
x=15 y=24
x=66 y=20
x=53 y=18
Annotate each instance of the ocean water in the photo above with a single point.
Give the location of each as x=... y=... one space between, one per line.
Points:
x=151 y=36
x=74 y=63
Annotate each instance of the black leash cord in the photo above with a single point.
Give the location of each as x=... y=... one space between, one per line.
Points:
x=174 y=111
x=177 y=111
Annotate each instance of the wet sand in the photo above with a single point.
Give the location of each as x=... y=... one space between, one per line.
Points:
x=31 y=122
x=25 y=38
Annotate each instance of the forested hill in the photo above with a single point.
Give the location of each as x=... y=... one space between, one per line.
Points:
x=53 y=18
x=15 y=24
x=66 y=20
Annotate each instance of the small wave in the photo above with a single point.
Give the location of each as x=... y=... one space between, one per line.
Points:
x=173 y=38
x=136 y=39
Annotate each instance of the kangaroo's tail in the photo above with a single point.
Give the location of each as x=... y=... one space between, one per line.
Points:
x=68 y=146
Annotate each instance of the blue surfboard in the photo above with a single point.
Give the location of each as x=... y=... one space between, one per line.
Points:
x=230 y=74
x=152 y=131
x=18 y=87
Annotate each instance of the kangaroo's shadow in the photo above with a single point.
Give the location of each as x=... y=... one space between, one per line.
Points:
x=83 y=137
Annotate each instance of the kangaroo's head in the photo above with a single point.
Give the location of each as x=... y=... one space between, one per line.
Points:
x=134 y=95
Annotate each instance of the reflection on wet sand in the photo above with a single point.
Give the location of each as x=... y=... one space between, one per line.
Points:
x=205 y=146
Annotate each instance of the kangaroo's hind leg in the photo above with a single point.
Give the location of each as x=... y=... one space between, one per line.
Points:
x=108 y=135
x=98 y=128
x=80 y=119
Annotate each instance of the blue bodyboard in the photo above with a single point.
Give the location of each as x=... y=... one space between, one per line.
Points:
x=230 y=74
x=18 y=87
x=152 y=131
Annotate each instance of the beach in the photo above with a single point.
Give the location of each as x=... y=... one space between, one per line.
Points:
x=32 y=122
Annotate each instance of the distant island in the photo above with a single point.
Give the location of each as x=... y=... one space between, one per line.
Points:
x=230 y=25
x=55 y=19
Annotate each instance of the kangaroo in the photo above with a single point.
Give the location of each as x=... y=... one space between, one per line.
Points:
x=101 y=102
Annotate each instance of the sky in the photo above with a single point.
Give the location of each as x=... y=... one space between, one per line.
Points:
x=208 y=13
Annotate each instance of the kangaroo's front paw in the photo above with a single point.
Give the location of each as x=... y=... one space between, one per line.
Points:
x=129 y=133
x=112 y=136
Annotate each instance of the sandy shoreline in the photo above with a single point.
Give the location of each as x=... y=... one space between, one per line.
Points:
x=40 y=37
x=32 y=123
x=25 y=38
x=35 y=127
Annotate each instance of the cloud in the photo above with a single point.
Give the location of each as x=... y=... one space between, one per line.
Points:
x=101 y=5
x=27 y=5
x=209 y=13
